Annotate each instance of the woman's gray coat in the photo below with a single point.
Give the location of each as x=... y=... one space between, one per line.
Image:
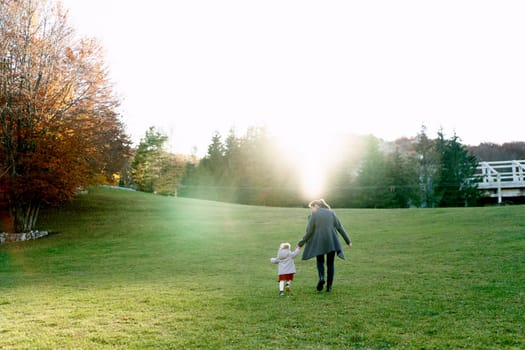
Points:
x=321 y=234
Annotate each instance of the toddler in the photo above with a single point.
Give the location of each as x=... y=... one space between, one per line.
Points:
x=286 y=268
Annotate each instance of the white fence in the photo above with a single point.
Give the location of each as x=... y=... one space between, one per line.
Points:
x=503 y=178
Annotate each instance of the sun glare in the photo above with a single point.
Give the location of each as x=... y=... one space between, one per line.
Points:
x=312 y=181
x=312 y=152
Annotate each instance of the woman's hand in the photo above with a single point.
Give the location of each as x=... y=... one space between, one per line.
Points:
x=350 y=245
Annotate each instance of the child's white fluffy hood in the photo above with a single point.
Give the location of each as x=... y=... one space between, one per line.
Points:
x=284 y=253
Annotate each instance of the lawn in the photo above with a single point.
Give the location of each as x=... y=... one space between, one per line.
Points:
x=130 y=270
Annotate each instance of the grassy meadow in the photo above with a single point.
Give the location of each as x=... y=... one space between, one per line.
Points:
x=126 y=270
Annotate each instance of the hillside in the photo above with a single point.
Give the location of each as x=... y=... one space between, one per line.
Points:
x=132 y=270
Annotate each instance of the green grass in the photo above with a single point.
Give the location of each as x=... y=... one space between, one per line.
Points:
x=130 y=271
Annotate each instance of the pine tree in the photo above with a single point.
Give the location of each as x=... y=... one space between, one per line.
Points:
x=374 y=190
x=147 y=164
x=458 y=166
x=428 y=169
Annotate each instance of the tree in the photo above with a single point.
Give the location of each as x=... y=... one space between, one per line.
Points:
x=402 y=180
x=232 y=158
x=154 y=169
x=455 y=186
x=374 y=187
x=245 y=169
x=214 y=160
x=147 y=164
x=114 y=154
x=428 y=169
x=56 y=107
x=342 y=186
x=170 y=174
x=486 y=152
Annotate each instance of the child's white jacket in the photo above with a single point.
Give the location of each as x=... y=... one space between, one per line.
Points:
x=285 y=260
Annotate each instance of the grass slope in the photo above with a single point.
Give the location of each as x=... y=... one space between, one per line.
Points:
x=131 y=270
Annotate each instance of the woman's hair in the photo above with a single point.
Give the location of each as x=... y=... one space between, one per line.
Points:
x=320 y=203
x=285 y=246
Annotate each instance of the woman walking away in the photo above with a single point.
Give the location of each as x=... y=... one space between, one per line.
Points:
x=286 y=268
x=321 y=239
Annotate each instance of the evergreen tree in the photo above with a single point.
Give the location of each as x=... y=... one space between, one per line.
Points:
x=455 y=186
x=403 y=181
x=213 y=163
x=146 y=164
x=245 y=169
x=428 y=169
x=374 y=190
x=233 y=166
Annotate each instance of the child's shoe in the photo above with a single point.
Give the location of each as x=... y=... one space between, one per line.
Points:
x=281 y=293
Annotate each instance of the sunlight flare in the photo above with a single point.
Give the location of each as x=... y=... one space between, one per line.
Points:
x=313 y=152
x=312 y=181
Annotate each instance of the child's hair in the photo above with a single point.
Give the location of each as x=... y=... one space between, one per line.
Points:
x=285 y=246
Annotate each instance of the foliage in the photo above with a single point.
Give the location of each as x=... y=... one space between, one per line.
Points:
x=247 y=170
x=446 y=172
x=145 y=169
x=373 y=183
x=154 y=169
x=429 y=164
x=455 y=186
x=420 y=172
x=59 y=126
x=369 y=173
x=386 y=179
x=342 y=189
x=135 y=271
x=487 y=152
x=403 y=179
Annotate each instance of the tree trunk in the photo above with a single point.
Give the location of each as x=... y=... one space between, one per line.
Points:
x=26 y=217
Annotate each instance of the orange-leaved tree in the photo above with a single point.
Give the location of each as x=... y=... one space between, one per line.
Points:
x=58 y=119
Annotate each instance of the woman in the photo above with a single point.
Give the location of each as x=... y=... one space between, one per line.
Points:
x=321 y=239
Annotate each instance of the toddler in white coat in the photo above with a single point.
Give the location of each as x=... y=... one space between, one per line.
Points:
x=286 y=268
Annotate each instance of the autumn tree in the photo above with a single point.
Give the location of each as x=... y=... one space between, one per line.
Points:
x=487 y=152
x=58 y=122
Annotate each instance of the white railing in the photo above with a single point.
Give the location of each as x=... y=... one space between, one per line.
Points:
x=501 y=174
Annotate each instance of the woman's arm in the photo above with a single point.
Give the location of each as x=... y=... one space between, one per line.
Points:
x=310 y=229
x=339 y=227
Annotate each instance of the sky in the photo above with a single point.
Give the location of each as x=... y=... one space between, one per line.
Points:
x=313 y=70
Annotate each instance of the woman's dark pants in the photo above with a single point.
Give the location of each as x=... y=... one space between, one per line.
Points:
x=330 y=257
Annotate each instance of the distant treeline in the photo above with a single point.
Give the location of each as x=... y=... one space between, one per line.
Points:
x=366 y=172
x=486 y=152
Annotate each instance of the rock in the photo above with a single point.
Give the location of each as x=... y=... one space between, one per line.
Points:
x=18 y=237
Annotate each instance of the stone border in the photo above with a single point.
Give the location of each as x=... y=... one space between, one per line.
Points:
x=19 y=237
